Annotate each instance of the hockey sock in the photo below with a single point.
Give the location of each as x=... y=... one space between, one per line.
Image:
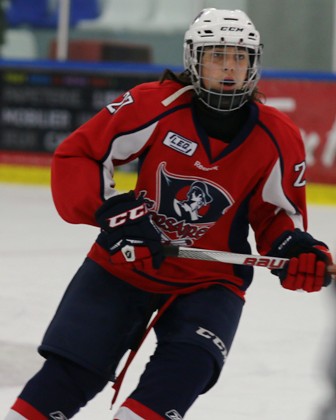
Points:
x=175 y=376
x=22 y=410
x=133 y=410
x=61 y=387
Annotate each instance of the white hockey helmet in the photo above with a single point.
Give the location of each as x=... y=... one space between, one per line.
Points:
x=224 y=28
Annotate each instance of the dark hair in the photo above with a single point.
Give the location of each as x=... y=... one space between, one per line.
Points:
x=184 y=78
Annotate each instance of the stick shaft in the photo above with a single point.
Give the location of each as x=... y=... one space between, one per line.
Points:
x=230 y=257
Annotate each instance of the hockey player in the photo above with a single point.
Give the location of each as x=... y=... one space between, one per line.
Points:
x=213 y=160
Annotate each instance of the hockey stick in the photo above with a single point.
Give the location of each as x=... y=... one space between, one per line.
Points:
x=230 y=257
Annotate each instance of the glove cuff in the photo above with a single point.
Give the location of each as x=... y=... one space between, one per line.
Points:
x=293 y=243
x=113 y=201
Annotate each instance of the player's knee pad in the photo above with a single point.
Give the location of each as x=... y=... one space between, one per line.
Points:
x=193 y=362
x=62 y=385
x=198 y=363
x=175 y=376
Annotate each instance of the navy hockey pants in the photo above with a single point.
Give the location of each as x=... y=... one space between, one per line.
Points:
x=100 y=317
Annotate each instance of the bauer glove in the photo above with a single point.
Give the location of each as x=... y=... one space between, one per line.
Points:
x=308 y=261
x=131 y=235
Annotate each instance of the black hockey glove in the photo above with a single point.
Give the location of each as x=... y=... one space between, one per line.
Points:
x=308 y=261
x=131 y=235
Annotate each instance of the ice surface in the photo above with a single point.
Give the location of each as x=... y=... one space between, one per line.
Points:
x=277 y=366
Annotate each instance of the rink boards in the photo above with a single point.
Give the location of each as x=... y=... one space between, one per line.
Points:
x=39 y=175
x=44 y=101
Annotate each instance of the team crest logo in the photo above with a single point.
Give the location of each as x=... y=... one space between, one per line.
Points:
x=193 y=201
x=186 y=208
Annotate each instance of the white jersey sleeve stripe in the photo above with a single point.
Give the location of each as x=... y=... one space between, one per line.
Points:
x=122 y=148
x=273 y=193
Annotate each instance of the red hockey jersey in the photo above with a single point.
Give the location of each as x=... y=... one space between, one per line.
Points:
x=200 y=191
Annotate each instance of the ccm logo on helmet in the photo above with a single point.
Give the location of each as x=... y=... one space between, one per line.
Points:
x=232 y=29
x=132 y=214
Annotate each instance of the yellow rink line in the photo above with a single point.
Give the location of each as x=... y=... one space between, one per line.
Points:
x=321 y=194
x=36 y=175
